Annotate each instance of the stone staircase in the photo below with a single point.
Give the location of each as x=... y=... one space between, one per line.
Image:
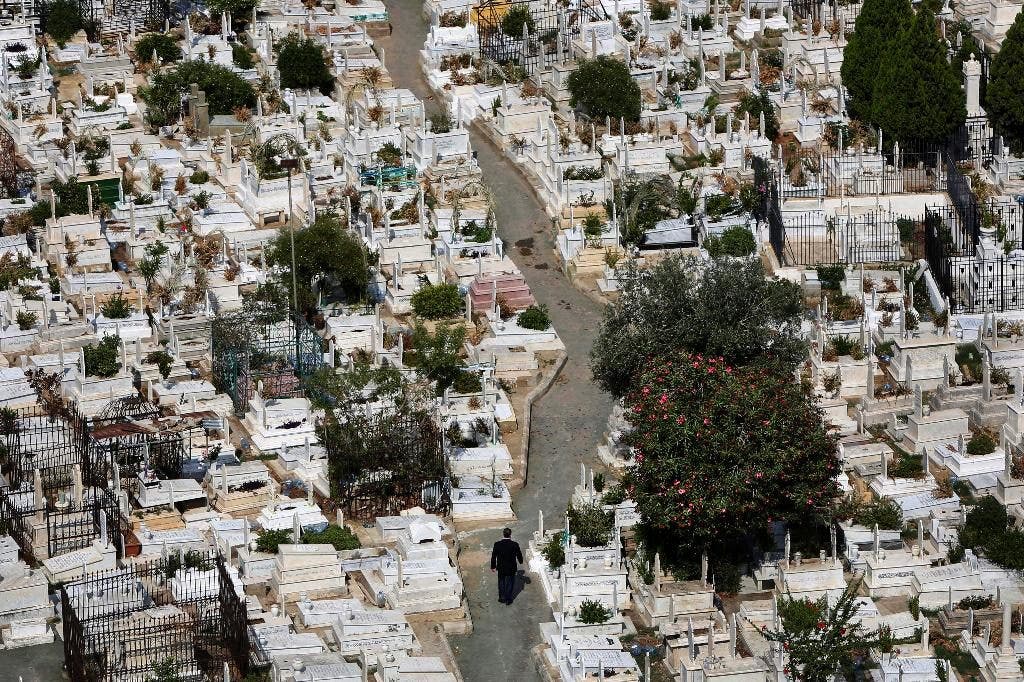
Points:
x=512 y=289
x=588 y=261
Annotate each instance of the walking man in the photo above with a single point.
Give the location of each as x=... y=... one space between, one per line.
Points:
x=505 y=559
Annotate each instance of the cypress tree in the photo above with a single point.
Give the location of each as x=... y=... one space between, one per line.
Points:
x=917 y=96
x=1004 y=100
x=878 y=24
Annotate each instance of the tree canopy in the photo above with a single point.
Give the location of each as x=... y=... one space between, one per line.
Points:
x=757 y=103
x=725 y=308
x=302 y=64
x=323 y=250
x=879 y=24
x=723 y=450
x=604 y=87
x=918 y=97
x=63 y=20
x=225 y=90
x=165 y=46
x=515 y=19
x=240 y=9
x=1004 y=99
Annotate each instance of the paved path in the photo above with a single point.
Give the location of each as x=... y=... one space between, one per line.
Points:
x=567 y=422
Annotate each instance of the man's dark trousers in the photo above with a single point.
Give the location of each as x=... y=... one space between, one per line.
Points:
x=506 y=587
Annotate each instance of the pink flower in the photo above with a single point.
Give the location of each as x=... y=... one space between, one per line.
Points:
x=706 y=421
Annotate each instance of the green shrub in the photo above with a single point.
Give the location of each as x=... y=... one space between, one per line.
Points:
x=199 y=177
x=101 y=359
x=906 y=466
x=593 y=226
x=163 y=360
x=914 y=606
x=591 y=525
x=437 y=302
x=225 y=90
x=535 y=317
x=166 y=47
x=598 y=483
x=117 y=308
x=831 y=276
x=906 y=226
x=63 y=20
x=736 y=241
x=467 y=382
x=239 y=9
x=302 y=64
x=441 y=122
x=191 y=559
x=981 y=444
x=986 y=520
x=660 y=11
x=1007 y=549
x=515 y=18
x=615 y=495
x=844 y=345
x=554 y=551
x=437 y=356
x=241 y=56
x=26 y=320
x=390 y=154
x=886 y=513
x=339 y=536
x=475 y=232
x=270 y=539
x=594 y=612
x=604 y=87
x=717 y=206
x=976 y=602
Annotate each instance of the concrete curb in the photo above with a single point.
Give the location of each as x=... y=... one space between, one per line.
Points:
x=540 y=664
x=537 y=393
x=443 y=636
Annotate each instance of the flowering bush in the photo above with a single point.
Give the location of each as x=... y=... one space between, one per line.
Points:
x=721 y=451
x=817 y=639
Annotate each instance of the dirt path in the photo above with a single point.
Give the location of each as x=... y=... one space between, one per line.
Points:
x=566 y=424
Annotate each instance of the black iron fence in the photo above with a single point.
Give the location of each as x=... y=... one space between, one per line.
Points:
x=550 y=29
x=249 y=355
x=861 y=170
x=106 y=639
x=77 y=524
x=382 y=464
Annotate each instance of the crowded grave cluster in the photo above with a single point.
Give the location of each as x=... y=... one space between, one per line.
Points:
x=708 y=314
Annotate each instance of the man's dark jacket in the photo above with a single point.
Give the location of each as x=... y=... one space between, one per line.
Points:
x=506 y=557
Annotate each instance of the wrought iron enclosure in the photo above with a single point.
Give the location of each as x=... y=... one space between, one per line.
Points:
x=276 y=353
x=553 y=29
x=384 y=463
x=120 y=635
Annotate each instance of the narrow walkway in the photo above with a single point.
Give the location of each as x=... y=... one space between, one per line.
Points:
x=567 y=422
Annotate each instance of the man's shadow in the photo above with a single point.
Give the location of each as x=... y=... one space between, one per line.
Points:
x=521 y=581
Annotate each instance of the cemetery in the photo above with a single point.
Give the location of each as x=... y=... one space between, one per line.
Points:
x=716 y=305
